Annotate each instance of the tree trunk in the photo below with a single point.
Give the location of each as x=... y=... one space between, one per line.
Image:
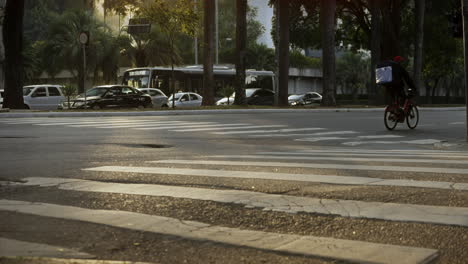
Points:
x=376 y=33
x=241 y=40
x=420 y=6
x=327 y=25
x=283 y=77
x=208 y=52
x=391 y=18
x=13 y=66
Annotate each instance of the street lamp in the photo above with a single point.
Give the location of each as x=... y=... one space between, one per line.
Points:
x=84 y=40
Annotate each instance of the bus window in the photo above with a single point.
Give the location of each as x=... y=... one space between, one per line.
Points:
x=136 y=79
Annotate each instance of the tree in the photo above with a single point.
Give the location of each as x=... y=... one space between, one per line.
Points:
x=241 y=39
x=352 y=73
x=13 y=41
x=283 y=46
x=208 y=52
x=327 y=25
x=420 y=6
x=173 y=18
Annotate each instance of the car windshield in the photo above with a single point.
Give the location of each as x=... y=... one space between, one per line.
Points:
x=97 y=91
x=249 y=92
x=177 y=96
x=27 y=90
x=295 y=97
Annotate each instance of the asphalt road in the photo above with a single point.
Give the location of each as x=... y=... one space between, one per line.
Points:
x=338 y=144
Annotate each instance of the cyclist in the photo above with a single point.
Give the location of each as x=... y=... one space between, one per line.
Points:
x=393 y=76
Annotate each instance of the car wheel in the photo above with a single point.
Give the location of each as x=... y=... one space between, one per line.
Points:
x=96 y=107
x=164 y=106
x=26 y=106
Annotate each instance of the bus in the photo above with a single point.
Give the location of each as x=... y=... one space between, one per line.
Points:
x=190 y=78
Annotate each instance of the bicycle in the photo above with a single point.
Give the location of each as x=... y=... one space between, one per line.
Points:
x=395 y=114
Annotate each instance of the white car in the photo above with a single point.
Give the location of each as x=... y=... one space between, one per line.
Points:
x=158 y=97
x=186 y=100
x=42 y=97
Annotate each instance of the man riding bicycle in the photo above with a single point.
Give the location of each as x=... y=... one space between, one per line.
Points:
x=393 y=76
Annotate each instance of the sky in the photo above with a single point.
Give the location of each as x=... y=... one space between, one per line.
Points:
x=265 y=13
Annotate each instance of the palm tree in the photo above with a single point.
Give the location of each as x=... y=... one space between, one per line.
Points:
x=13 y=41
x=241 y=41
x=420 y=6
x=208 y=52
x=327 y=24
x=283 y=68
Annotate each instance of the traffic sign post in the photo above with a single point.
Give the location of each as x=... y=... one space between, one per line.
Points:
x=84 y=41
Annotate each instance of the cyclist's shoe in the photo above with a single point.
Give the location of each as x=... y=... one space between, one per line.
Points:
x=411 y=93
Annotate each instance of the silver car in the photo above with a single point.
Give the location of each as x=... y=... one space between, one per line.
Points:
x=158 y=97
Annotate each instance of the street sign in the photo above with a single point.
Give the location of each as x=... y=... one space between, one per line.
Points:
x=138 y=26
x=84 y=37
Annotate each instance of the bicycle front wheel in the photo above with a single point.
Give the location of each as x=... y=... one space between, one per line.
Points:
x=412 y=119
x=390 y=119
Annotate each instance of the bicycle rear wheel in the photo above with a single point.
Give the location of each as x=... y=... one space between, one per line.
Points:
x=390 y=118
x=412 y=119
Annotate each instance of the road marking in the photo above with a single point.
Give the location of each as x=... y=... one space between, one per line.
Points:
x=380 y=136
x=104 y=122
x=317 y=166
x=13 y=248
x=319 y=139
x=418 y=141
x=457 y=123
x=336 y=154
x=226 y=128
x=320 y=157
x=208 y=125
x=386 y=151
x=267 y=131
x=331 y=179
x=353 y=251
x=124 y=123
x=271 y=202
x=158 y=125
x=309 y=134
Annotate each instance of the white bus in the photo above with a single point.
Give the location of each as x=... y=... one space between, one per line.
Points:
x=190 y=78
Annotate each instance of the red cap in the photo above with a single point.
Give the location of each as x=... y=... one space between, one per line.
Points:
x=398 y=59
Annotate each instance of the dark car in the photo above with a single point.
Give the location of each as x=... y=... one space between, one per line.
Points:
x=110 y=96
x=257 y=96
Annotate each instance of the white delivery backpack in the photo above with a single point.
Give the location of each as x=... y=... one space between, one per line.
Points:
x=384 y=75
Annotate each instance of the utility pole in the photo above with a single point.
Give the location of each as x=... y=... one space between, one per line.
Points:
x=465 y=50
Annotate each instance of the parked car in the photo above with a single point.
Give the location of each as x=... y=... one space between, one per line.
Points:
x=305 y=99
x=42 y=97
x=254 y=96
x=159 y=98
x=109 y=96
x=186 y=100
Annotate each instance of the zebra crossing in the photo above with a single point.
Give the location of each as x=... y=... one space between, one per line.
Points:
x=330 y=168
x=240 y=129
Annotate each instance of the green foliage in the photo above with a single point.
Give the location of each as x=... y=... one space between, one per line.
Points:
x=121 y=7
x=69 y=90
x=260 y=57
x=226 y=91
x=299 y=60
x=352 y=72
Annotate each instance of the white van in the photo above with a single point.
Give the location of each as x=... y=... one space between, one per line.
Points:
x=42 y=97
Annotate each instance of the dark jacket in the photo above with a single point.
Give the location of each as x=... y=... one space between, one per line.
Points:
x=399 y=75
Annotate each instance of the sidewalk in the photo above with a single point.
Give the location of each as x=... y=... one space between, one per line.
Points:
x=5 y=113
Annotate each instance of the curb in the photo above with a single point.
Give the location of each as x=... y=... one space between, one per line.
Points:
x=26 y=114
x=37 y=260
